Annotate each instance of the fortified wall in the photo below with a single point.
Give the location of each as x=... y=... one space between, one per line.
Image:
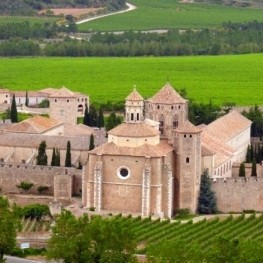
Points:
x=62 y=181
x=239 y=194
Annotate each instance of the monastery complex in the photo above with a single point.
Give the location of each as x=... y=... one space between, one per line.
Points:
x=151 y=164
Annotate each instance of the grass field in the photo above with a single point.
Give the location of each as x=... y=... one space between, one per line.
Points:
x=159 y=14
x=30 y=19
x=237 y=78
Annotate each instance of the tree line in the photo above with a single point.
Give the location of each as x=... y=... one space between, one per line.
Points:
x=231 y=38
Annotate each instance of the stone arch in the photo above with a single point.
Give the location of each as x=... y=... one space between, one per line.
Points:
x=80 y=108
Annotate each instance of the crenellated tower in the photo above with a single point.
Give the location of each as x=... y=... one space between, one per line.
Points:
x=187 y=145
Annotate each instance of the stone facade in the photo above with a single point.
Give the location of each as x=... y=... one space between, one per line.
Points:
x=60 y=180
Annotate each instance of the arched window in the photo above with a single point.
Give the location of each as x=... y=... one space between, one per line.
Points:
x=80 y=109
x=175 y=121
x=161 y=127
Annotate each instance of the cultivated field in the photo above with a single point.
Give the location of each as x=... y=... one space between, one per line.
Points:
x=161 y=14
x=30 y=19
x=222 y=79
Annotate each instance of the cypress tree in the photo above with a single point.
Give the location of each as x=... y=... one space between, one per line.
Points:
x=207 y=199
x=13 y=111
x=86 y=119
x=57 y=157
x=254 y=168
x=27 y=100
x=248 y=155
x=100 y=118
x=42 y=156
x=242 y=171
x=53 y=159
x=251 y=152
x=91 y=142
x=93 y=117
x=68 y=155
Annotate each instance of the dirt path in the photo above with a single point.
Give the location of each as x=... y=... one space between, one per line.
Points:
x=130 y=8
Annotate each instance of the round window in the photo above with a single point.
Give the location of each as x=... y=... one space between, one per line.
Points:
x=123 y=172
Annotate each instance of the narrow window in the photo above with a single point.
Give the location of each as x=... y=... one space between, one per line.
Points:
x=138 y=116
x=187 y=160
x=132 y=117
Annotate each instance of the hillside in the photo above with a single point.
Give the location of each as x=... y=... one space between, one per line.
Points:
x=32 y=7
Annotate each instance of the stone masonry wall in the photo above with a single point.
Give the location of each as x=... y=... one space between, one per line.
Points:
x=239 y=194
x=12 y=175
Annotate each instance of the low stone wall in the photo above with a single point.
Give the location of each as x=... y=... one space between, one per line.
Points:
x=12 y=175
x=239 y=194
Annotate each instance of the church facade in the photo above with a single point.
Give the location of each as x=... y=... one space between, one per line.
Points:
x=152 y=163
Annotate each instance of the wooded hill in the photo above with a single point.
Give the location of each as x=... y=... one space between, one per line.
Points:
x=31 y=7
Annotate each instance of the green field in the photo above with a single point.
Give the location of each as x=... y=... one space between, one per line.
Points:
x=222 y=79
x=30 y=19
x=159 y=14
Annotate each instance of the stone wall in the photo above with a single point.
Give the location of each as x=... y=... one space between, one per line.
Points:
x=239 y=194
x=12 y=175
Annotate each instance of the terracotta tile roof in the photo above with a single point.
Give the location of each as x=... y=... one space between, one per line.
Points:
x=145 y=150
x=134 y=96
x=212 y=145
x=37 y=124
x=228 y=126
x=188 y=127
x=61 y=93
x=33 y=141
x=167 y=95
x=4 y=91
x=206 y=152
x=134 y=130
x=30 y=94
x=78 y=129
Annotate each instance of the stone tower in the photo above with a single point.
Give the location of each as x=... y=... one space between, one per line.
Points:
x=187 y=144
x=134 y=107
x=169 y=109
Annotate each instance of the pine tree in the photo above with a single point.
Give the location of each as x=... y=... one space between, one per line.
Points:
x=68 y=155
x=86 y=119
x=13 y=111
x=91 y=142
x=254 y=168
x=242 y=171
x=42 y=156
x=100 y=118
x=27 y=99
x=53 y=159
x=207 y=199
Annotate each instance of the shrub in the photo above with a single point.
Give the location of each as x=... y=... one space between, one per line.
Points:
x=42 y=189
x=92 y=209
x=36 y=211
x=25 y=186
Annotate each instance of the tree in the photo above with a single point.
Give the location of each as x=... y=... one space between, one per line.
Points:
x=93 y=116
x=57 y=157
x=42 y=156
x=27 y=99
x=86 y=119
x=254 y=168
x=53 y=158
x=9 y=225
x=100 y=118
x=207 y=199
x=25 y=186
x=248 y=154
x=112 y=121
x=96 y=240
x=242 y=171
x=68 y=155
x=13 y=111
x=91 y=142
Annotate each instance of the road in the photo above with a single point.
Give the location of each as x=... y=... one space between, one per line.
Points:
x=130 y=8
x=20 y=260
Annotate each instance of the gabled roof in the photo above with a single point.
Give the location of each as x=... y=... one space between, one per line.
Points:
x=134 y=130
x=188 y=127
x=228 y=126
x=30 y=93
x=77 y=130
x=3 y=90
x=61 y=93
x=134 y=96
x=37 y=125
x=167 y=95
x=111 y=148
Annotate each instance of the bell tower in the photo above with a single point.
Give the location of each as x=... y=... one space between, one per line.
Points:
x=134 y=106
x=187 y=144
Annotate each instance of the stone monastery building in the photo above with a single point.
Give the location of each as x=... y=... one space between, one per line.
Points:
x=152 y=163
